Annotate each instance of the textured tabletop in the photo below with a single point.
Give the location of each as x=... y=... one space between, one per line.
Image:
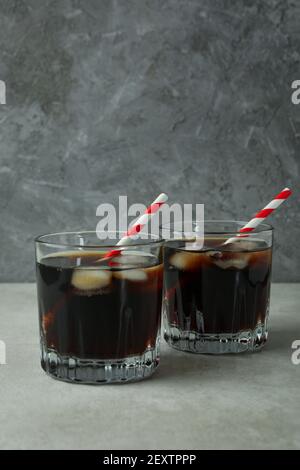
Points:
x=192 y=402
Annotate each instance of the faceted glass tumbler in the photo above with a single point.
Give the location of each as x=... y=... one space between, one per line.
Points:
x=217 y=287
x=99 y=314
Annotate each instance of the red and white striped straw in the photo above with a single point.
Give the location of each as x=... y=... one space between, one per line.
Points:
x=139 y=224
x=261 y=215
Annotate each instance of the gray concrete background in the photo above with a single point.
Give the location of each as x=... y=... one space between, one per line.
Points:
x=137 y=97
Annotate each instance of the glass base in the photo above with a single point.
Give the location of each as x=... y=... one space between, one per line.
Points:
x=97 y=372
x=191 y=341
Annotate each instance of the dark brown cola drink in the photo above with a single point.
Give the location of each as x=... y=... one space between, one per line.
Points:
x=99 y=315
x=216 y=299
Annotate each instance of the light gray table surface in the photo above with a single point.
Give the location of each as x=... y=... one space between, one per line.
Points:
x=246 y=401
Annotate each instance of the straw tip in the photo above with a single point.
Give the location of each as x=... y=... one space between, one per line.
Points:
x=287 y=190
x=163 y=196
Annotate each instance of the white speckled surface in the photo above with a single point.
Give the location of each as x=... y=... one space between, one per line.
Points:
x=192 y=402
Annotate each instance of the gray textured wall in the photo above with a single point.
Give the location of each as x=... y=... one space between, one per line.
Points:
x=137 y=97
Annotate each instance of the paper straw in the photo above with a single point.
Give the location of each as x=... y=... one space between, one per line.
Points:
x=261 y=215
x=138 y=225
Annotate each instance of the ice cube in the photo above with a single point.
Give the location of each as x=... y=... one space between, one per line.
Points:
x=89 y=279
x=241 y=244
x=235 y=262
x=129 y=260
x=194 y=246
x=134 y=275
x=186 y=260
x=215 y=254
x=132 y=258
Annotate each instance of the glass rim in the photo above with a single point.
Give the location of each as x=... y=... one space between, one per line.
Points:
x=101 y=244
x=261 y=228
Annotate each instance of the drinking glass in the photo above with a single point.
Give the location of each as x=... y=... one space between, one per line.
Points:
x=217 y=287
x=99 y=316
